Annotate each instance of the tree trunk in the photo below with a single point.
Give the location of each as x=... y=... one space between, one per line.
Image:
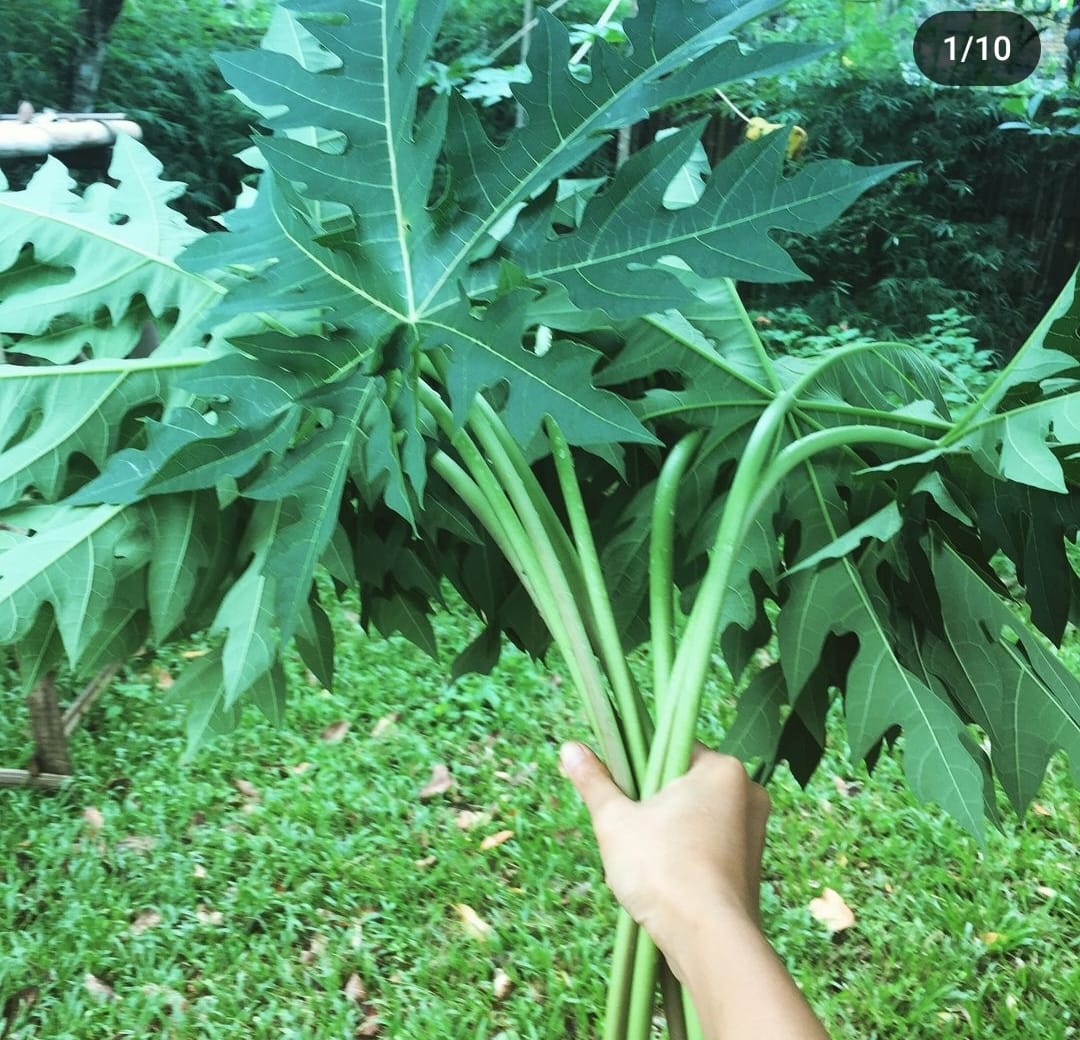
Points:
x=96 y=18
x=51 y=753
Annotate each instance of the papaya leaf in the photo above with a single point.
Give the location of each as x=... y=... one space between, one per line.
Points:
x=315 y=641
x=726 y=233
x=486 y=351
x=1012 y=686
x=882 y=525
x=51 y=414
x=404 y=262
x=269 y=693
x=941 y=761
x=480 y=656
x=113 y=243
x=313 y=477
x=246 y=613
x=184 y=529
x=202 y=685
x=755 y=734
x=73 y=560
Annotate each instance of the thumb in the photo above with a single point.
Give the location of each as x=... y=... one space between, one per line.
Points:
x=589 y=775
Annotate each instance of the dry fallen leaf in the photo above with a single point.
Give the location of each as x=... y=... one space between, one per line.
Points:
x=198 y=872
x=522 y=776
x=467 y=819
x=370 y=1027
x=145 y=919
x=955 y=1016
x=846 y=788
x=355 y=989
x=427 y=861
x=385 y=723
x=301 y=767
x=494 y=840
x=21 y=1000
x=1041 y=810
x=204 y=915
x=93 y=819
x=316 y=948
x=990 y=937
x=441 y=781
x=247 y=789
x=335 y=732
x=172 y=1000
x=97 y=988
x=190 y=655
x=475 y=926
x=164 y=679
x=831 y=910
x=501 y=984
x=137 y=843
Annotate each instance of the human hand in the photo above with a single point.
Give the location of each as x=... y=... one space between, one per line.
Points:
x=695 y=847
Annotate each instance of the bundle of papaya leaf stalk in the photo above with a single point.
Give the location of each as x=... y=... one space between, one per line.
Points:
x=417 y=355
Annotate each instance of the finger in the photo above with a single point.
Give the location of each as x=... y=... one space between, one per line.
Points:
x=698 y=751
x=589 y=775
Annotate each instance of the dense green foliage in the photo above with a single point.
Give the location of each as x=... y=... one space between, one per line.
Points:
x=213 y=909
x=417 y=356
x=973 y=226
x=968 y=369
x=989 y=220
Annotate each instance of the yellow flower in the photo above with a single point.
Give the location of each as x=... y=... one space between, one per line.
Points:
x=758 y=127
x=796 y=142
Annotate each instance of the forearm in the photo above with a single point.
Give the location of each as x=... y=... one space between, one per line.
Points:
x=739 y=986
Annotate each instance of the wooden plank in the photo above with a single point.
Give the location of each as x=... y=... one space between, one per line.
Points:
x=26 y=778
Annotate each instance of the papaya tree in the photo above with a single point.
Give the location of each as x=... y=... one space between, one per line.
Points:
x=417 y=358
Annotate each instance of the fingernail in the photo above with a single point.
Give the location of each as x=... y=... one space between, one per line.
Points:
x=571 y=755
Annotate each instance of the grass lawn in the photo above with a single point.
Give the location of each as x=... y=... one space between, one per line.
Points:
x=300 y=882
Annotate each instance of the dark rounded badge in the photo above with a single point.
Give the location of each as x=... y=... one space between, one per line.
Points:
x=977 y=48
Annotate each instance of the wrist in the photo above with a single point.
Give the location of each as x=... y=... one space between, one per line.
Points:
x=738 y=985
x=703 y=928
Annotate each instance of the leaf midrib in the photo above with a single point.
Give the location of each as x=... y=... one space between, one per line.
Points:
x=525 y=188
